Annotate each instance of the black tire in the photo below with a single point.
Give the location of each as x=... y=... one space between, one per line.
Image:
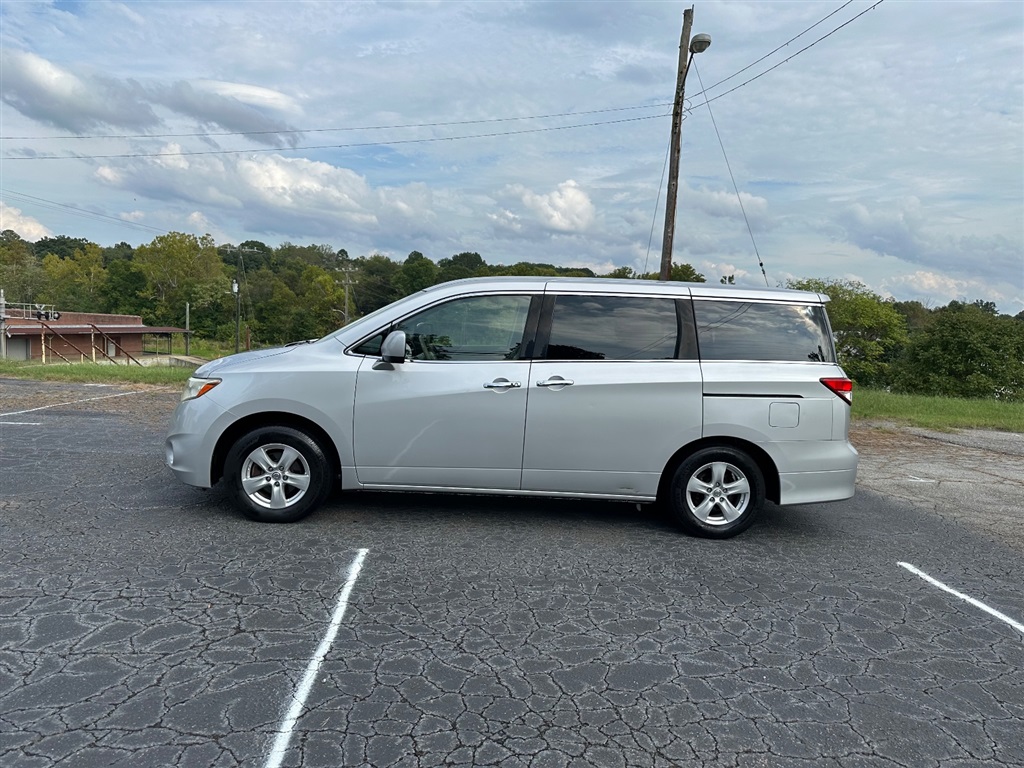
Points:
x=277 y=474
x=716 y=493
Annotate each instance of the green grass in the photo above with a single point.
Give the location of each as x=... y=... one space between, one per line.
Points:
x=940 y=413
x=208 y=349
x=93 y=373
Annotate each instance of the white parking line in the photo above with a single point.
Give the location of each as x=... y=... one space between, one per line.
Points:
x=976 y=603
x=284 y=733
x=20 y=423
x=73 y=402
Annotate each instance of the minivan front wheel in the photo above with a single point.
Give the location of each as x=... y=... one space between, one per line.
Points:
x=277 y=474
x=717 y=493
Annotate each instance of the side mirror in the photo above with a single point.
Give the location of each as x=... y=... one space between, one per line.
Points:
x=392 y=350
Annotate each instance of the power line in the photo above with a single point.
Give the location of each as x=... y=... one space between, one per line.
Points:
x=805 y=48
x=352 y=145
x=205 y=134
x=401 y=126
x=779 y=48
x=428 y=125
x=76 y=211
x=728 y=165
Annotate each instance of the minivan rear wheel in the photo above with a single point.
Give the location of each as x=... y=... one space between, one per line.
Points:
x=716 y=493
x=277 y=474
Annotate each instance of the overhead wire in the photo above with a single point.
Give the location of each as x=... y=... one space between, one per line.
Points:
x=776 y=66
x=743 y=210
x=53 y=205
x=205 y=134
x=779 y=48
x=352 y=145
x=703 y=92
x=355 y=145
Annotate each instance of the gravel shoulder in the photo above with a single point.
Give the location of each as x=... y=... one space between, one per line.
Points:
x=972 y=477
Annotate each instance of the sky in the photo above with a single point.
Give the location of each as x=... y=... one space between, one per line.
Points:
x=890 y=152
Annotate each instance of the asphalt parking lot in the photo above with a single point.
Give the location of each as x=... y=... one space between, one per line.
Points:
x=145 y=623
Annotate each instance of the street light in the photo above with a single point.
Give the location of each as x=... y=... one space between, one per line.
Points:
x=238 y=313
x=699 y=45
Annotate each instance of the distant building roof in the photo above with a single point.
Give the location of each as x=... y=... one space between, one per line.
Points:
x=31 y=328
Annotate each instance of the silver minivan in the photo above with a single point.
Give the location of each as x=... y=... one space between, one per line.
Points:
x=709 y=398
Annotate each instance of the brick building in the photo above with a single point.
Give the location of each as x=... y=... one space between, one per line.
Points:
x=37 y=332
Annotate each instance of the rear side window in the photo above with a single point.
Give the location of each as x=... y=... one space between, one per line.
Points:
x=613 y=328
x=738 y=330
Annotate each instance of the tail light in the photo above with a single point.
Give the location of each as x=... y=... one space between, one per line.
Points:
x=841 y=387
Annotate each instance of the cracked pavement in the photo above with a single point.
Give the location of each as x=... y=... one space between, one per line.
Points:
x=145 y=623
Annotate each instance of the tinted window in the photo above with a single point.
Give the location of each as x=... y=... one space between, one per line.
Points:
x=370 y=346
x=612 y=328
x=737 y=330
x=474 y=328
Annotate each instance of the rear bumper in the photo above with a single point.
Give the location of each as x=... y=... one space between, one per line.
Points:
x=815 y=487
x=814 y=472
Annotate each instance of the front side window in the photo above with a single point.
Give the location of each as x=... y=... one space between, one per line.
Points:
x=475 y=328
x=613 y=328
x=741 y=330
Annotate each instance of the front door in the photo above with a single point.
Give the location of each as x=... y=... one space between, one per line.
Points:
x=453 y=415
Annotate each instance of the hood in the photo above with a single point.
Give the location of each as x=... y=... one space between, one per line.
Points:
x=239 y=360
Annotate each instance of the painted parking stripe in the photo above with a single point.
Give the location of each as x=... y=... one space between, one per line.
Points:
x=73 y=402
x=21 y=423
x=284 y=733
x=967 y=598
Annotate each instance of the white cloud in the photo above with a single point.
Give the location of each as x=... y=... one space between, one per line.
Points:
x=566 y=209
x=53 y=95
x=935 y=289
x=724 y=204
x=27 y=227
x=874 y=153
x=902 y=229
x=253 y=95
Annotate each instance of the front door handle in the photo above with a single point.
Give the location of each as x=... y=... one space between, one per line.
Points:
x=555 y=381
x=502 y=384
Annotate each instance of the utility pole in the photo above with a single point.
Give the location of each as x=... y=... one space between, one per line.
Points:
x=686 y=50
x=347 y=272
x=238 y=313
x=3 y=326
x=673 y=163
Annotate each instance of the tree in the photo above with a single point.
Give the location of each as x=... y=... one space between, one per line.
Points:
x=460 y=266
x=125 y=289
x=181 y=268
x=77 y=282
x=62 y=246
x=375 y=282
x=417 y=272
x=322 y=301
x=866 y=326
x=915 y=314
x=120 y=252
x=622 y=273
x=683 y=273
x=274 y=307
x=967 y=351
x=21 y=275
x=251 y=255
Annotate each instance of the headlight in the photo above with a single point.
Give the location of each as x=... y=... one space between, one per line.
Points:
x=198 y=387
